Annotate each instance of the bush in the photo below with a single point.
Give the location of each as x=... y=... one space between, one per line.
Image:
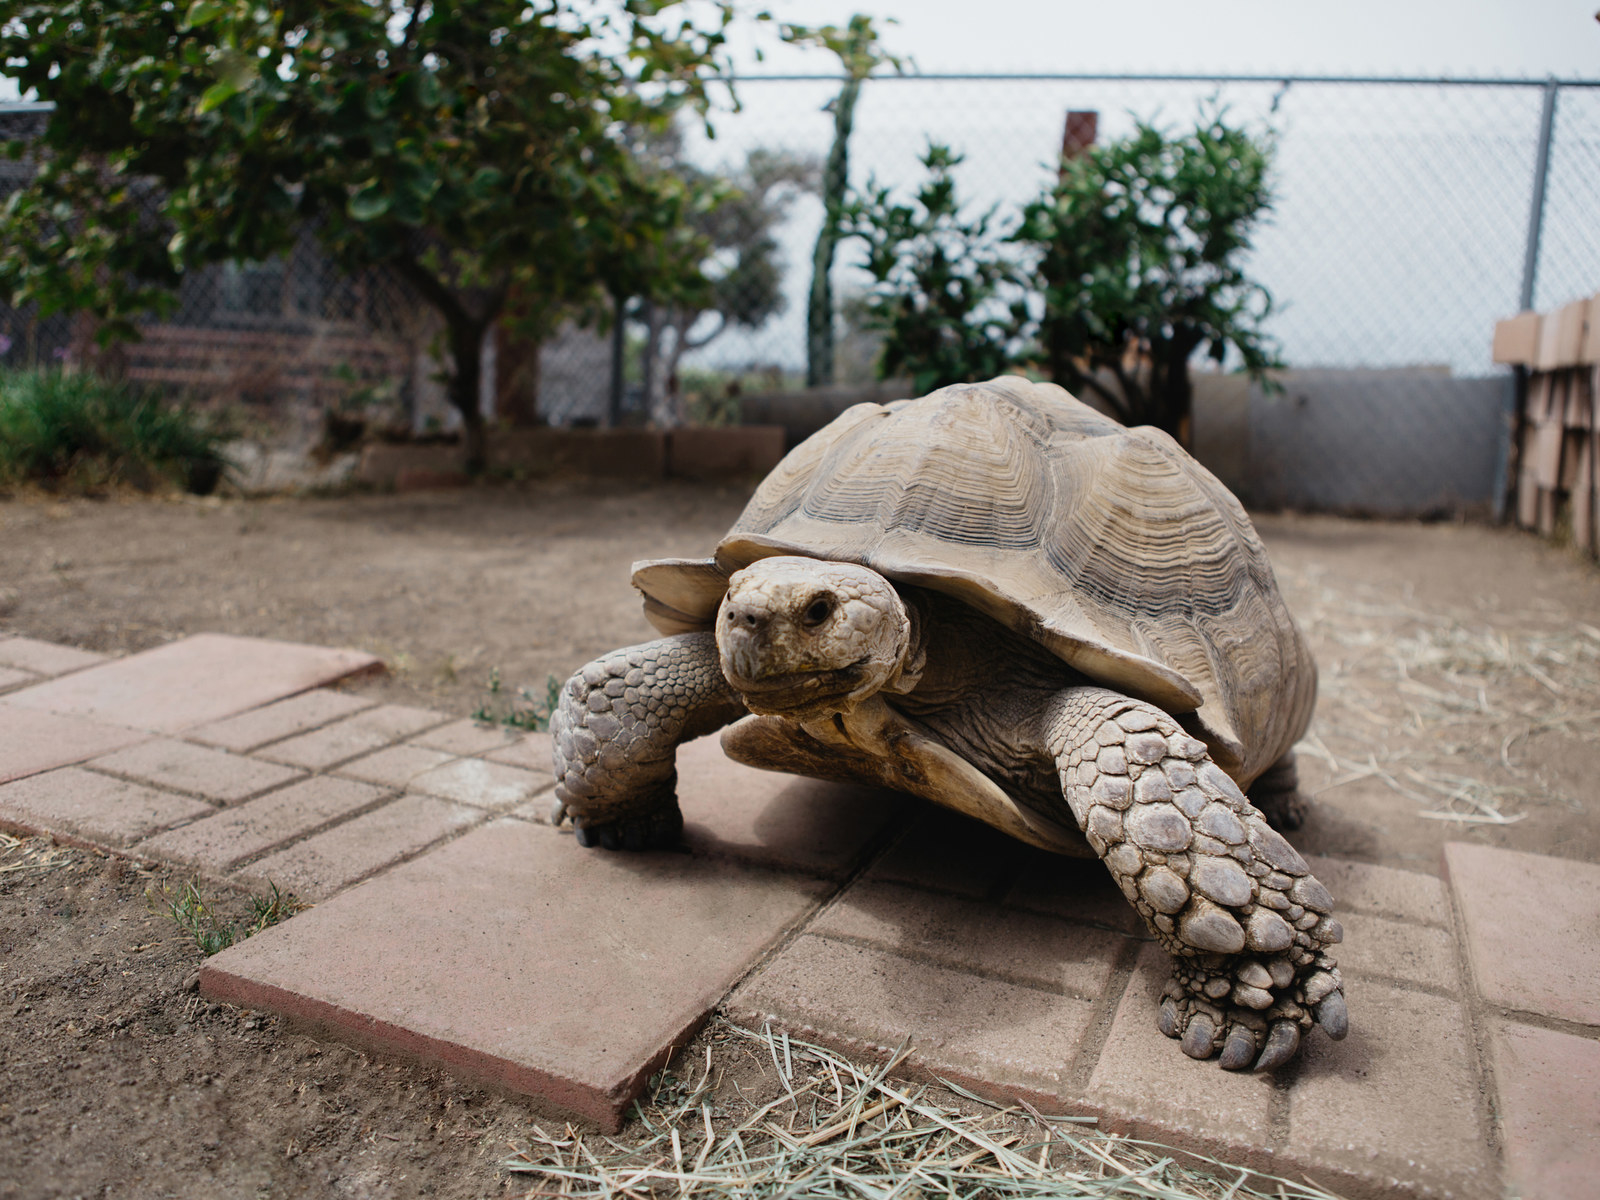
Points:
x=68 y=431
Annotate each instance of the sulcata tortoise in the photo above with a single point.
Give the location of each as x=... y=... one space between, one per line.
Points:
x=1000 y=600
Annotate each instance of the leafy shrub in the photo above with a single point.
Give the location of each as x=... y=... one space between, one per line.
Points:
x=70 y=431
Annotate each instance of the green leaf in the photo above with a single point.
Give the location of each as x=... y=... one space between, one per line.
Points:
x=217 y=94
x=370 y=203
x=202 y=13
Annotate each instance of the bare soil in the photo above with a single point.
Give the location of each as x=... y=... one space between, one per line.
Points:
x=1460 y=700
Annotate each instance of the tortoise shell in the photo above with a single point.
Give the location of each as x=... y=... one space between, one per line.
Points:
x=1109 y=547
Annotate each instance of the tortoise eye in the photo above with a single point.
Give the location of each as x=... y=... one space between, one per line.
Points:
x=819 y=611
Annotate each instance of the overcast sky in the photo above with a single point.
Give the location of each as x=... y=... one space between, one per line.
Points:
x=1457 y=37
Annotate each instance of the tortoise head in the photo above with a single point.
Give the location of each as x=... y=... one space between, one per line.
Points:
x=800 y=637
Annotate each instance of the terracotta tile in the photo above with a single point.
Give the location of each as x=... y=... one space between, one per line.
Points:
x=191 y=682
x=31 y=742
x=96 y=807
x=364 y=732
x=45 y=658
x=1549 y=1089
x=467 y=736
x=512 y=955
x=483 y=784
x=965 y=935
x=395 y=766
x=984 y=1032
x=1530 y=926
x=274 y=722
x=329 y=862
x=224 y=840
x=218 y=776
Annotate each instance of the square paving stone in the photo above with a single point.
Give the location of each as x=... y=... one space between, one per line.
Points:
x=493 y=786
x=514 y=956
x=984 y=939
x=1549 y=1088
x=192 y=682
x=1530 y=923
x=1398 y=950
x=1382 y=891
x=1149 y=1088
x=274 y=722
x=329 y=862
x=218 y=776
x=45 y=658
x=229 y=837
x=774 y=819
x=993 y=1036
x=395 y=766
x=31 y=742
x=10 y=678
x=1396 y=1105
x=96 y=807
x=369 y=730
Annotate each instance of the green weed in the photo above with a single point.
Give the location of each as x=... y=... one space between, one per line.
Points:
x=211 y=932
x=524 y=710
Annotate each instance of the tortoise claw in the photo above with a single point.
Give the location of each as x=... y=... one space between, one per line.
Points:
x=1240 y=1049
x=1168 y=1020
x=1200 y=1038
x=1282 y=1043
x=1332 y=1015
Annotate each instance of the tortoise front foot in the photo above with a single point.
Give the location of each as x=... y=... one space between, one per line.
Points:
x=657 y=828
x=1222 y=891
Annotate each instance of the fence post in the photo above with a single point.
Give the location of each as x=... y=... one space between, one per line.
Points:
x=1541 y=169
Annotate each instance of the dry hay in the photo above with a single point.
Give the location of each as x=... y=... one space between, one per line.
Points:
x=842 y=1130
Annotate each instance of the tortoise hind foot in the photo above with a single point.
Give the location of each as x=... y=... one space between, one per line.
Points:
x=659 y=828
x=1221 y=890
x=1277 y=795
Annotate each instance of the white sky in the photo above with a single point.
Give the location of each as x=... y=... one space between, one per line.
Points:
x=1410 y=37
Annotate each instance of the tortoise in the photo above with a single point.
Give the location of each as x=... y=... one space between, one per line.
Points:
x=1000 y=600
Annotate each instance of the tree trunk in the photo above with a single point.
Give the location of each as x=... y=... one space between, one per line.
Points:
x=466 y=348
x=835 y=180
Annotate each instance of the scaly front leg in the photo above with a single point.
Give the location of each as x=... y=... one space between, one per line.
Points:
x=616 y=733
x=1219 y=888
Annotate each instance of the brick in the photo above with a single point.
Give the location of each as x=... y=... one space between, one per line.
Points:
x=1382 y=891
x=1078 y=888
x=12 y=678
x=1397 y=950
x=214 y=774
x=1150 y=1088
x=366 y=731
x=1549 y=1088
x=532 y=750
x=31 y=742
x=274 y=722
x=1395 y=1105
x=45 y=658
x=947 y=852
x=467 y=736
x=395 y=766
x=192 y=682
x=330 y=862
x=992 y=1035
x=97 y=807
x=983 y=939
x=511 y=955
x=1561 y=337
x=482 y=784
x=1516 y=339
x=1530 y=926
x=767 y=817
x=229 y=837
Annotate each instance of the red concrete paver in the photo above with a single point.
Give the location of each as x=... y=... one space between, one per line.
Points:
x=774 y=819
x=329 y=862
x=487 y=785
x=31 y=742
x=1398 y=950
x=229 y=837
x=984 y=939
x=947 y=852
x=274 y=722
x=532 y=750
x=191 y=682
x=1149 y=1088
x=45 y=658
x=1383 y=891
x=218 y=776
x=467 y=736
x=366 y=731
x=1549 y=1088
x=512 y=955
x=395 y=766
x=1080 y=889
x=1530 y=924
x=989 y=1034
x=10 y=678
x=97 y=808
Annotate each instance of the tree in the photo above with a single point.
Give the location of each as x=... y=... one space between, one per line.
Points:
x=478 y=150
x=1142 y=248
x=860 y=54
x=946 y=297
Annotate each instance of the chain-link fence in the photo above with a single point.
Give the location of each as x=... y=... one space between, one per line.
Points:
x=1409 y=215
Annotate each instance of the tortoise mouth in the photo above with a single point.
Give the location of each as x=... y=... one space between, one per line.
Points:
x=799 y=692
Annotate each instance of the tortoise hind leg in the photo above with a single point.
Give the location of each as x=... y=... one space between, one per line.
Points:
x=1231 y=900
x=1276 y=793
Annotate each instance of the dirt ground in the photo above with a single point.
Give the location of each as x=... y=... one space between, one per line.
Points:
x=1460 y=699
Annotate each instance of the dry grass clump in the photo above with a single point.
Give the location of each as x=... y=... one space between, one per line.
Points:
x=842 y=1130
x=31 y=854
